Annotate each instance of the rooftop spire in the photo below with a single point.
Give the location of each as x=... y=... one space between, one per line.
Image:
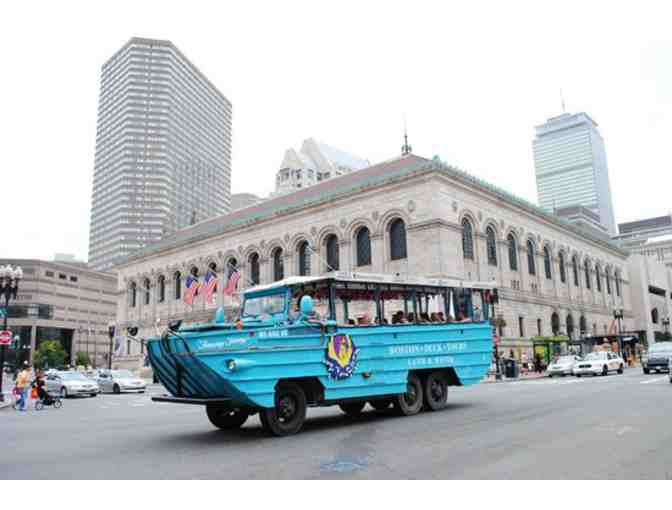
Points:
x=406 y=149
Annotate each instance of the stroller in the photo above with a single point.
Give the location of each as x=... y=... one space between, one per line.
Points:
x=45 y=399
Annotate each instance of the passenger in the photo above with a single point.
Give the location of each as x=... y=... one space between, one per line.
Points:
x=364 y=320
x=351 y=322
x=434 y=317
x=441 y=317
x=477 y=314
x=424 y=318
x=411 y=317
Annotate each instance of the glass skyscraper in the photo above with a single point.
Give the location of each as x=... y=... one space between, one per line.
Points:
x=570 y=161
x=163 y=150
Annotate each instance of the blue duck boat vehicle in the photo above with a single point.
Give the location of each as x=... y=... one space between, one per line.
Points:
x=343 y=339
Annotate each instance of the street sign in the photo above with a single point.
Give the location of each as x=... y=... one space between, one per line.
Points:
x=5 y=337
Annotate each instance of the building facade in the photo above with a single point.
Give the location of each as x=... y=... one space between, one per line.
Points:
x=243 y=200
x=570 y=162
x=313 y=163
x=651 y=284
x=163 y=150
x=66 y=302
x=406 y=216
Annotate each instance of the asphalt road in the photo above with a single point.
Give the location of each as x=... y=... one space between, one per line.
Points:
x=591 y=428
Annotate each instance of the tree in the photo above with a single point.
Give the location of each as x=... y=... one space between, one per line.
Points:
x=50 y=354
x=82 y=359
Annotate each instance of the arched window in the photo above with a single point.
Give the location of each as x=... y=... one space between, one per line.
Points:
x=513 y=252
x=654 y=315
x=253 y=262
x=467 y=240
x=531 y=265
x=607 y=278
x=133 y=294
x=575 y=270
x=583 y=325
x=555 y=323
x=491 y=246
x=547 y=263
x=598 y=278
x=570 y=326
x=397 y=239
x=177 y=280
x=363 y=247
x=231 y=267
x=278 y=265
x=586 y=268
x=561 y=262
x=332 y=252
x=304 y=258
x=146 y=290
x=617 y=282
x=161 y=284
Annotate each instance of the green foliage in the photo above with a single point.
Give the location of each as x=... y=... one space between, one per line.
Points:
x=82 y=359
x=50 y=354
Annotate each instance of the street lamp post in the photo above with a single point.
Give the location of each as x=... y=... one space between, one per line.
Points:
x=110 y=332
x=666 y=325
x=9 y=288
x=618 y=315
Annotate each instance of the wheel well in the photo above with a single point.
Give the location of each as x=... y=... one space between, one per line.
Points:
x=311 y=386
x=451 y=375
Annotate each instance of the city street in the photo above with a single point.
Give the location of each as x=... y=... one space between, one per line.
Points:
x=590 y=428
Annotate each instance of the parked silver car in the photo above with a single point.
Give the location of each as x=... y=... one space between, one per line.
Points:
x=67 y=384
x=120 y=381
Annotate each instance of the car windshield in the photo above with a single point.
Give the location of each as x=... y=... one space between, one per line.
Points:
x=264 y=305
x=72 y=376
x=661 y=348
x=566 y=359
x=595 y=355
x=123 y=373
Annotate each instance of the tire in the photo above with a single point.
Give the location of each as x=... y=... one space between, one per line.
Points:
x=605 y=370
x=436 y=391
x=227 y=418
x=57 y=403
x=64 y=392
x=646 y=370
x=94 y=395
x=620 y=370
x=550 y=376
x=578 y=375
x=288 y=414
x=352 y=408
x=381 y=404
x=410 y=403
x=39 y=405
x=116 y=389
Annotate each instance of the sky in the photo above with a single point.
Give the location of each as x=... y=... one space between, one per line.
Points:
x=473 y=79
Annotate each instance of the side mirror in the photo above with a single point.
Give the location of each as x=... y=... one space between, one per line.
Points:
x=306 y=305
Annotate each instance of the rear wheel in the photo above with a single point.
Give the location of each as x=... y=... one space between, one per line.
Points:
x=436 y=391
x=226 y=418
x=57 y=403
x=64 y=392
x=39 y=405
x=620 y=369
x=352 y=408
x=646 y=370
x=605 y=370
x=289 y=413
x=410 y=403
x=116 y=389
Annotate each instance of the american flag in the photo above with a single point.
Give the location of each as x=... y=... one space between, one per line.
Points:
x=232 y=284
x=209 y=286
x=191 y=290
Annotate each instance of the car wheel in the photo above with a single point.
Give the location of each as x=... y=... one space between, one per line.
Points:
x=94 y=394
x=578 y=375
x=64 y=392
x=550 y=375
x=620 y=369
x=646 y=370
x=605 y=370
x=116 y=389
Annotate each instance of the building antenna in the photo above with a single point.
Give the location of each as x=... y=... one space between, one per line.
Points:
x=562 y=100
x=406 y=149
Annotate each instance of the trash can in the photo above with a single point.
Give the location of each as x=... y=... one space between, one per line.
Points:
x=511 y=369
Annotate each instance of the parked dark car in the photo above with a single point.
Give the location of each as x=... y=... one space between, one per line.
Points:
x=657 y=357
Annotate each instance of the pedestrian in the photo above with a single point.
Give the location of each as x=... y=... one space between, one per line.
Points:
x=537 y=363
x=23 y=384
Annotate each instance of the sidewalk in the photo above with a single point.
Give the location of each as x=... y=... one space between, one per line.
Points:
x=523 y=377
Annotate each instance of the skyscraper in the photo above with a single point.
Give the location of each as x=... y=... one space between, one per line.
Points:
x=163 y=150
x=571 y=167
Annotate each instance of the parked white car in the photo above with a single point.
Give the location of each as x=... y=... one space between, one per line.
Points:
x=562 y=366
x=68 y=384
x=599 y=363
x=120 y=381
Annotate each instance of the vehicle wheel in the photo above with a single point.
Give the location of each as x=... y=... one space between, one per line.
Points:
x=94 y=394
x=57 y=404
x=142 y=391
x=646 y=370
x=620 y=369
x=39 y=405
x=289 y=413
x=605 y=370
x=226 y=418
x=352 y=408
x=436 y=391
x=578 y=375
x=64 y=392
x=550 y=375
x=410 y=403
x=116 y=389
x=380 y=405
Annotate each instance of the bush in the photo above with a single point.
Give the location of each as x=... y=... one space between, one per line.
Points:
x=50 y=354
x=82 y=359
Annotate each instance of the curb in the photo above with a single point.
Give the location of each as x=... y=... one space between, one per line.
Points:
x=517 y=379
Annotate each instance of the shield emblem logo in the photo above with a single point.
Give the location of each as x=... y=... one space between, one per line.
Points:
x=341 y=356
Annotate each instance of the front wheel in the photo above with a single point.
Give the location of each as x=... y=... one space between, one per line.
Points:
x=646 y=370
x=39 y=405
x=436 y=391
x=64 y=392
x=410 y=403
x=620 y=369
x=605 y=370
x=352 y=408
x=94 y=394
x=226 y=418
x=288 y=414
x=57 y=404
x=116 y=389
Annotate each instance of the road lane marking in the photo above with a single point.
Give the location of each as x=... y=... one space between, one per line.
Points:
x=657 y=379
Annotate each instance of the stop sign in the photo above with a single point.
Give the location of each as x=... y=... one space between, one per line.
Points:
x=5 y=337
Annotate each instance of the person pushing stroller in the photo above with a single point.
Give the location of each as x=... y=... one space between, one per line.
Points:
x=42 y=394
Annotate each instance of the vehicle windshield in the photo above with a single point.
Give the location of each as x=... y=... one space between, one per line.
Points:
x=123 y=373
x=661 y=348
x=566 y=359
x=264 y=305
x=595 y=355
x=72 y=376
